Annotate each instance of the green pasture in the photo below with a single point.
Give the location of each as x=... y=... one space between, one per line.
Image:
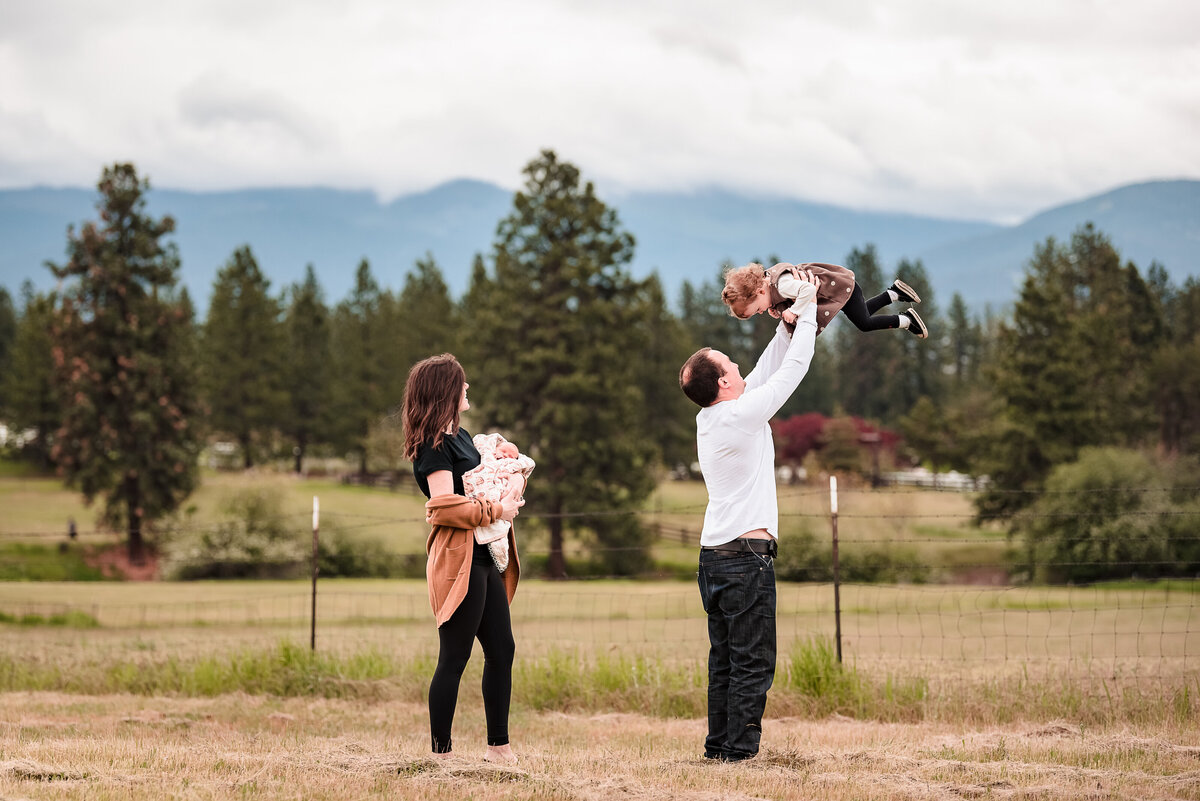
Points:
x=38 y=508
x=919 y=526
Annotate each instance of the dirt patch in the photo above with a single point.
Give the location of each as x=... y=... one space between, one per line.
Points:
x=982 y=576
x=113 y=561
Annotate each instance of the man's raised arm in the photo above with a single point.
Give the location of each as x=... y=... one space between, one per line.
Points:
x=757 y=405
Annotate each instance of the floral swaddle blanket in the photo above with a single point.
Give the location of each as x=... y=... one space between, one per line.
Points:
x=489 y=482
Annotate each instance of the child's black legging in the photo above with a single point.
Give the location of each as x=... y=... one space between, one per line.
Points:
x=861 y=311
x=482 y=614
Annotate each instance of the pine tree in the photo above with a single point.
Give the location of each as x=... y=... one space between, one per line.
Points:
x=868 y=363
x=667 y=414
x=818 y=391
x=243 y=355
x=358 y=391
x=964 y=344
x=1072 y=369
x=918 y=366
x=28 y=383
x=556 y=341
x=8 y=333
x=306 y=369
x=121 y=355
x=428 y=320
x=1175 y=370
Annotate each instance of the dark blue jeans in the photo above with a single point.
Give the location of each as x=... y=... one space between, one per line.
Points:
x=738 y=593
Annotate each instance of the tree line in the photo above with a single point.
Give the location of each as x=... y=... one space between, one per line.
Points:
x=576 y=359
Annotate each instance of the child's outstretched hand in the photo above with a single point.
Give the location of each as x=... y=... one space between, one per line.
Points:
x=788 y=317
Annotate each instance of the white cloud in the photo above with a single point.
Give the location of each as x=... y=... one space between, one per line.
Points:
x=928 y=106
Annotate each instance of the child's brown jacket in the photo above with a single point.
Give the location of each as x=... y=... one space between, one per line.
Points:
x=451 y=546
x=837 y=283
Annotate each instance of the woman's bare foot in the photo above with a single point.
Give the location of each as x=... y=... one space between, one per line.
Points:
x=442 y=757
x=502 y=754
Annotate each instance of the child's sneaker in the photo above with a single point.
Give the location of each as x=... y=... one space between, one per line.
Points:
x=916 y=326
x=907 y=293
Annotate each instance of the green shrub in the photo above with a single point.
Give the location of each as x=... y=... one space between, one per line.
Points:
x=1113 y=514
x=802 y=559
x=32 y=562
x=343 y=556
x=257 y=540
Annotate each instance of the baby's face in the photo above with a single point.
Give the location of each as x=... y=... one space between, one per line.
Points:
x=508 y=451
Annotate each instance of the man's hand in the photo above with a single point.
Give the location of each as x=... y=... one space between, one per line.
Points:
x=807 y=293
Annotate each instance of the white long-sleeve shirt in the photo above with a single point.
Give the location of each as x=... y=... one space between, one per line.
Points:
x=733 y=438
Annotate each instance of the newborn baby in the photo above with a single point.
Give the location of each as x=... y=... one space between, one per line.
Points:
x=502 y=469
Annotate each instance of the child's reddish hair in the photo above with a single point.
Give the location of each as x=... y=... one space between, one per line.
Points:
x=741 y=285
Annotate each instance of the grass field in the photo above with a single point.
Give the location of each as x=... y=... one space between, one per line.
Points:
x=148 y=690
x=926 y=527
x=1128 y=633
x=55 y=746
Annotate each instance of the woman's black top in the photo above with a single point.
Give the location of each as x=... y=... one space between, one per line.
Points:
x=456 y=453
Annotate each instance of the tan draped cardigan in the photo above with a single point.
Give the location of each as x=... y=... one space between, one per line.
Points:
x=451 y=546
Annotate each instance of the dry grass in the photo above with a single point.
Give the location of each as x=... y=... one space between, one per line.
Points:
x=243 y=747
x=1000 y=629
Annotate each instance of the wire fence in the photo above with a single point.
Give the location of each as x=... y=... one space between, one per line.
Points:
x=1135 y=628
x=1147 y=629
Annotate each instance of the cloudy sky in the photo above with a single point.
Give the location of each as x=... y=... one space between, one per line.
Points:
x=946 y=107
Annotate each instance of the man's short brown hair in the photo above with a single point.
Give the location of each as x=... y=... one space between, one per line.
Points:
x=698 y=378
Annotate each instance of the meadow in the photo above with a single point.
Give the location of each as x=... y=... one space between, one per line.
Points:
x=208 y=689
x=237 y=746
x=931 y=529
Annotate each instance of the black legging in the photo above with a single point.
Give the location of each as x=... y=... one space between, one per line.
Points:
x=861 y=311
x=483 y=613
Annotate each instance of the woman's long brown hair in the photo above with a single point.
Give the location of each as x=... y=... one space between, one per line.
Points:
x=431 y=399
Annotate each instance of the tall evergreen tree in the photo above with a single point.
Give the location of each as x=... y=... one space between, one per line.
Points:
x=121 y=357
x=667 y=414
x=964 y=344
x=28 y=385
x=868 y=362
x=818 y=392
x=359 y=391
x=556 y=343
x=8 y=333
x=429 y=319
x=918 y=368
x=306 y=369
x=1072 y=369
x=1175 y=370
x=243 y=355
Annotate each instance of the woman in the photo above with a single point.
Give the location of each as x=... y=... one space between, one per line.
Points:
x=469 y=596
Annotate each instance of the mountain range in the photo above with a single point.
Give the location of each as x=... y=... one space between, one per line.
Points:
x=681 y=236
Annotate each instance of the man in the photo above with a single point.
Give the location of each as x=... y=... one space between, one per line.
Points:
x=741 y=523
